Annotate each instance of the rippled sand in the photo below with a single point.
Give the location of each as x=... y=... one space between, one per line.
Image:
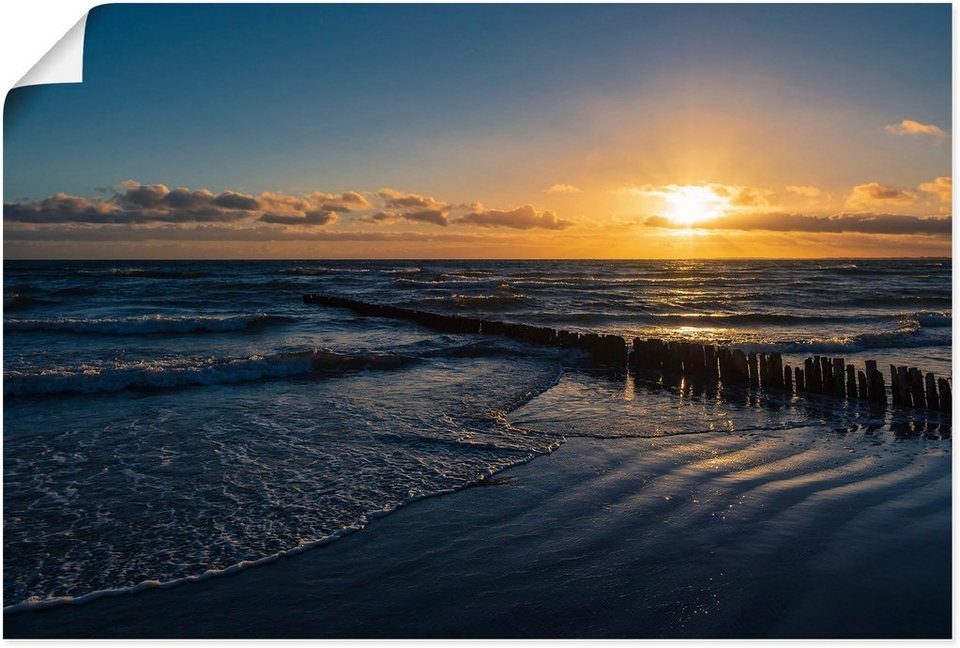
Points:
x=756 y=522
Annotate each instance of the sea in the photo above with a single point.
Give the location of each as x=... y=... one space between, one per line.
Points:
x=171 y=421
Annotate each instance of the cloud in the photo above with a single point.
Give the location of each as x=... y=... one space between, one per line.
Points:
x=411 y=207
x=807 y=191
x=873 y=193
x=135 y=204
x=524 y=218
x=432 y=216
x=942 y=187
x=63 y=208
x=310 y=218
x=784 y=222
x=718 y=196
x=394 y=199
x=564 y=188
x=911 y=127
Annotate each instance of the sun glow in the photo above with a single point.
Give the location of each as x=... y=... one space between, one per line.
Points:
x=687 y=205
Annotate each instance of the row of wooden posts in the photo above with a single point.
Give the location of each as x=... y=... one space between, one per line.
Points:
x=819 y=375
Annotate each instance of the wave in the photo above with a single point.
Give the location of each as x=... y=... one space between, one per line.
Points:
x=181 y=372
x=76 y=290
x=741 y=318
x=898 y=300
x=407 y=270
x=932 y=319
x=18 y=302
x=907 y=337
x=139 y=273
x=40 y=602
x=477 y=301
x=318 y=271
x=145 y=324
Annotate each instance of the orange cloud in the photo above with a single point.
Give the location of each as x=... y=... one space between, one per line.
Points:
x=911 y=127
x=942 y=188
x=564 y=188
x=872 y=193
x=807 y=191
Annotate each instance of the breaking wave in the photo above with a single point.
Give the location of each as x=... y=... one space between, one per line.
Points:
x=146 y=324
x=180 y=372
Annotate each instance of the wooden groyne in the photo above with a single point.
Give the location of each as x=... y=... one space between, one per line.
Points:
x=833 y=377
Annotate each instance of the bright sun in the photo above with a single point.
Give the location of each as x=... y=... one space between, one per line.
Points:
x=690 y=204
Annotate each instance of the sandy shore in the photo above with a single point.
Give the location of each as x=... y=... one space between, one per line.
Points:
x=798 y=533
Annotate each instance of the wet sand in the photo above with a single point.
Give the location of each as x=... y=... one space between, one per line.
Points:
x=801 y=532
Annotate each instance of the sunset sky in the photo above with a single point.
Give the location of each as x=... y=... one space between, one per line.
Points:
x=472 y=131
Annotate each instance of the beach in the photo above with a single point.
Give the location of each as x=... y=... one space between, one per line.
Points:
x=192 y=451
x=802 y=533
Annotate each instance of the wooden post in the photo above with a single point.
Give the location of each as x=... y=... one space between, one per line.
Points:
x=710 y=362
x=741 y=366
x=895 y=385
x=933 y=402
x=787 y=379
x=838 y=371
x=946 y=400
x=776 y=369
x=879 y=390
x=916 y=388
x=851 y=382
x=799 y=378
x=826 y=376
x=811 y=374
x=754 y=369
x=903 y=381
x=862 y=392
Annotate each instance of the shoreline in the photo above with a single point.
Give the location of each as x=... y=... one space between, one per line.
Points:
x=623 y=537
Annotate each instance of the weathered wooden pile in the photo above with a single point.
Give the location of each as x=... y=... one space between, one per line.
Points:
x=608 y=348
x=704 y=362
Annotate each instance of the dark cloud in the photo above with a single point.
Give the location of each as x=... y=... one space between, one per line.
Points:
x=136 y=204
x=524 y=218
x=310 y=218
x=431 y=216
x=840 y=223
x=394 y=199
x=62 y=208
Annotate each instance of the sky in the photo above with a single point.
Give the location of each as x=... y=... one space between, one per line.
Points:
x=489 y=131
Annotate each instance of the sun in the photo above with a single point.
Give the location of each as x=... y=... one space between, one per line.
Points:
x=690 y=204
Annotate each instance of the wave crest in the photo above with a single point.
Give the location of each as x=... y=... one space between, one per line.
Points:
x=181 y=372
x=146 y=324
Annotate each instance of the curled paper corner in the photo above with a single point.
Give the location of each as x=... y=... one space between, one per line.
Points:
x=63 y=63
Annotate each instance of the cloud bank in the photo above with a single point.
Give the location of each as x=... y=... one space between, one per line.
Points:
x=156 y=203
x=837 y=224
x=152 y=205
x=522 y=218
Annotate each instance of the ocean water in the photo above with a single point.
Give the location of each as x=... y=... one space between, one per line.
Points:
x=169 y=421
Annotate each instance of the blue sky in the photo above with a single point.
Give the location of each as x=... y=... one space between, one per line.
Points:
x=488 y=103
